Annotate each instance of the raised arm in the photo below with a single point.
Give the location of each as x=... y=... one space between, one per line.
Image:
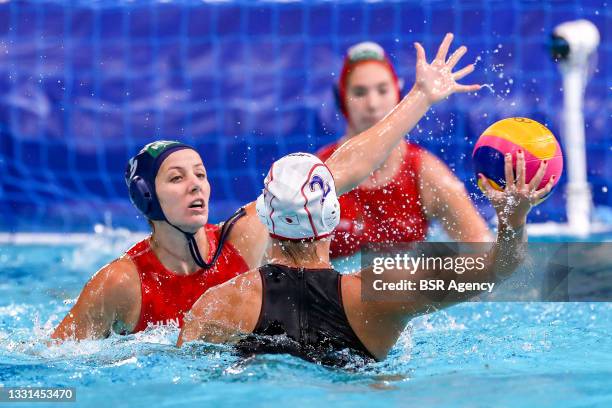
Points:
x=379 y=323
x=362 y=154
x=108 y=298
x=507 y=252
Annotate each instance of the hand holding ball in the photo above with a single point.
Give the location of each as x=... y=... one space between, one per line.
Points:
x=511 y=136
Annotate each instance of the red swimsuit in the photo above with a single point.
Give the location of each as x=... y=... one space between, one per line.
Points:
x=167 y=296
x=392 y=213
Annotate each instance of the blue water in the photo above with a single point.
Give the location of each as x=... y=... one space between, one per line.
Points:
x=470 y=355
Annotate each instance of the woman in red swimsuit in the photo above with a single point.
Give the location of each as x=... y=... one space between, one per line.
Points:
x=160 y=278
x=412 y=187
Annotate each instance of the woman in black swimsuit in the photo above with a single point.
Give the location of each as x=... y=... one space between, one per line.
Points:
x=298 y=304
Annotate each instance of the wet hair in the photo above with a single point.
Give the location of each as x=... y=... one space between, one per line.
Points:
x=299 y=251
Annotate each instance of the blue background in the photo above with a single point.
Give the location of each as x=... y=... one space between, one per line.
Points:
x=84 y=85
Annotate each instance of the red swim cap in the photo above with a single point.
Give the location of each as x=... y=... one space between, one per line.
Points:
x=359 y=53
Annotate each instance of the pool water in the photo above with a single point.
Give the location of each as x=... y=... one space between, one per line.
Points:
x=470 y=355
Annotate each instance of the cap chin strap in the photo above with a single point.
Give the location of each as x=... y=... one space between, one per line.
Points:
x=225 y=230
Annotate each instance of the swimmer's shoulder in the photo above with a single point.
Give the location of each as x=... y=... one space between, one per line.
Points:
x=244 y=289
x=249 y=237
x=118 y=279
x=434 y=171
x=118 y=272
x=110 y=298
x=377 y=324
x=119 y=283
x=351 y=290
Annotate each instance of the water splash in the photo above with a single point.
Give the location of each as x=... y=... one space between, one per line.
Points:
x=489 y=87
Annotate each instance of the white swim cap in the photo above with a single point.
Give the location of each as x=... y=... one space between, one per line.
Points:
x=299 y=199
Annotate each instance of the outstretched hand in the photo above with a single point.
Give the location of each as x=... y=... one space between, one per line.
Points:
x=516 y=200
x=436 y=80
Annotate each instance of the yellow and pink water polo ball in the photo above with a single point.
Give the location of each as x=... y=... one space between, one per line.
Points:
x=509 y=136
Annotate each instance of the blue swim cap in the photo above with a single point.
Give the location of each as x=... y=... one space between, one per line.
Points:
x=141 y=172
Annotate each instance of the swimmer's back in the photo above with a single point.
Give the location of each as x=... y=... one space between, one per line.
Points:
x=302 y=314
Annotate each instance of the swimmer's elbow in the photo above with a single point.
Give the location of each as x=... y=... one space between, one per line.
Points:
x=185 y=336
x=59 y=335
x=77 y=328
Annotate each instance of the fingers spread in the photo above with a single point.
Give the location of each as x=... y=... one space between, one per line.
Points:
x=443 y=50
x=420 y=53
x=520 y=169
x=463 y=72
x=456 y=56
x=537 y=178
x=467 y=88
x=508 y=171
x=546 y=189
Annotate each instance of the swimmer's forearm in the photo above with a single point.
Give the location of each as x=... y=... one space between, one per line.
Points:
x=356 y=159
x=501 y=260
x=72 y=328
x=509 y=250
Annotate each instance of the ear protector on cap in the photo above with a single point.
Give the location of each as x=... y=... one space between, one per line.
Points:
x=262 y=212
x=140 y=194
x=330 y=215
x=330 y=207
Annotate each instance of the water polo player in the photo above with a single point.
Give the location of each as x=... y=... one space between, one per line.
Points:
x=158 y=280
x=298 y=304
x=412 y=187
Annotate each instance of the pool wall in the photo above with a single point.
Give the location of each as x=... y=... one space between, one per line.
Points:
x=86 y=84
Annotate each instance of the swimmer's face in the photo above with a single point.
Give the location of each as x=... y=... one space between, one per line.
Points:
x=371 y=94
x=183 y=190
